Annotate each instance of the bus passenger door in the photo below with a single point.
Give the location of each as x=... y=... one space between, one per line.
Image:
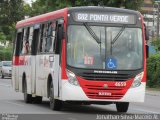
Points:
x=34 y=47
x=57 y=57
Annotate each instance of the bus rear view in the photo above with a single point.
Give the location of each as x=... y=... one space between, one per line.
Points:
x=105 y=57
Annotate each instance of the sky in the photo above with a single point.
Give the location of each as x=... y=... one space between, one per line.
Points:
x=28 y=1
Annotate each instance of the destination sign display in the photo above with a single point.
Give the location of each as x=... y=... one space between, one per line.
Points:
x=105 y=18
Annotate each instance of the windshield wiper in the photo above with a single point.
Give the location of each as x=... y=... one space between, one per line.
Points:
x=93 y=34
x=117 y=36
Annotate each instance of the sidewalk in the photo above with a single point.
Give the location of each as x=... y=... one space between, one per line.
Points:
x=152 y=92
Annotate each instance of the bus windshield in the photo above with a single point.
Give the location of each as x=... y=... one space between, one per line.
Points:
x=123 y=53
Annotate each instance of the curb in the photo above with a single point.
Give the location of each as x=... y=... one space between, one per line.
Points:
x=153 y=93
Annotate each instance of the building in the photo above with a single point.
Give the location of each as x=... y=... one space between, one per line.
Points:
x=149 y=11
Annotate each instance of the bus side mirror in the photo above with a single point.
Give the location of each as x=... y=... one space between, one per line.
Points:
x=146 y=32
x=147 y=51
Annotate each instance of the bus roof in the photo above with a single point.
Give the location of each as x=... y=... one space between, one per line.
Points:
x=63 y=12
x=42 y=18
x=108 y=9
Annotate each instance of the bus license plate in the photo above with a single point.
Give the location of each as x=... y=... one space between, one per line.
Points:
x=104 y=94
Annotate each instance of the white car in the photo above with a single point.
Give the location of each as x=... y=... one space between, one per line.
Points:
x=6 y=69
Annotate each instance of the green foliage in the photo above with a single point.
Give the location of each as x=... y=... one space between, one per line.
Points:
x=43 y=6
x=11 y=11
x=2 y=37
x=156 y=43
x=153 y=70
x=153 y=65
x=133 y=4
x=6 y=53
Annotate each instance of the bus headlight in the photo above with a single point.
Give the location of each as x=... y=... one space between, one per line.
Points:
x=72 y=78
x=137 y=80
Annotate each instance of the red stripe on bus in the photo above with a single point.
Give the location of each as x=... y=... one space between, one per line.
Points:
x=15 y=60
x=144 y=55
x=42 y=18
x=64 y=74
x=20 y=60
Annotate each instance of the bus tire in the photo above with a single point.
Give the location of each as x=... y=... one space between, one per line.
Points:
x=122 y=106
x=38 y=99
x=54 y=103
x=27 y=97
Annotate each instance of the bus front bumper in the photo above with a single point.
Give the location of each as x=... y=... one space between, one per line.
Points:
x=75 y=93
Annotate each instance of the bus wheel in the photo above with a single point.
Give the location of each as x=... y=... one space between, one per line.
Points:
x=38 y=99
x=27 y=97
x=122 y=106
x=54 y=103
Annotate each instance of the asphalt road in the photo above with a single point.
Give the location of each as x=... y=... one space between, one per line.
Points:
x=12 y=103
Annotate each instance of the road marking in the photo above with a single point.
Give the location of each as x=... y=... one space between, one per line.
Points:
x=148 y=111
x=14 y=103
x=6 y=85
x=72 y=118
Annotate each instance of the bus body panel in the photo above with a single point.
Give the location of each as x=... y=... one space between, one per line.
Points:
x=46 y=66
x=56 y=79
x=33 y=74
x=41 y=74
x=15 y=74
x=15 y=80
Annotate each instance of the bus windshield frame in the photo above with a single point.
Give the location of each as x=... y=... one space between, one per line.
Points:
x=108 y=48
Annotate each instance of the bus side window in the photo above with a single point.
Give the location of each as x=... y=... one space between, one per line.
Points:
x=26 y=42
x=53 y=34
x=19 y=42
x=47 y=37
x=43 y=37
x=48 y=41
x=35 y=37
x=59 y=37
x=50 y=37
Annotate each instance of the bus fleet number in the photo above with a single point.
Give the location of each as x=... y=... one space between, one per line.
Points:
x=120 y=84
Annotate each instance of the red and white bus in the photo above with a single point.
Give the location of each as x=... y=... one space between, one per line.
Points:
x=88 y=55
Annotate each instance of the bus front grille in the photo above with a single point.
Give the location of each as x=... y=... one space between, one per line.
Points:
x=96 y=96
x=92 y=92
x=104 y=89
x=106 y=77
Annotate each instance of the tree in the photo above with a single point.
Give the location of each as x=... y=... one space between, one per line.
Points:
x=43 y=6
x=2 y=37
x=11 y=11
